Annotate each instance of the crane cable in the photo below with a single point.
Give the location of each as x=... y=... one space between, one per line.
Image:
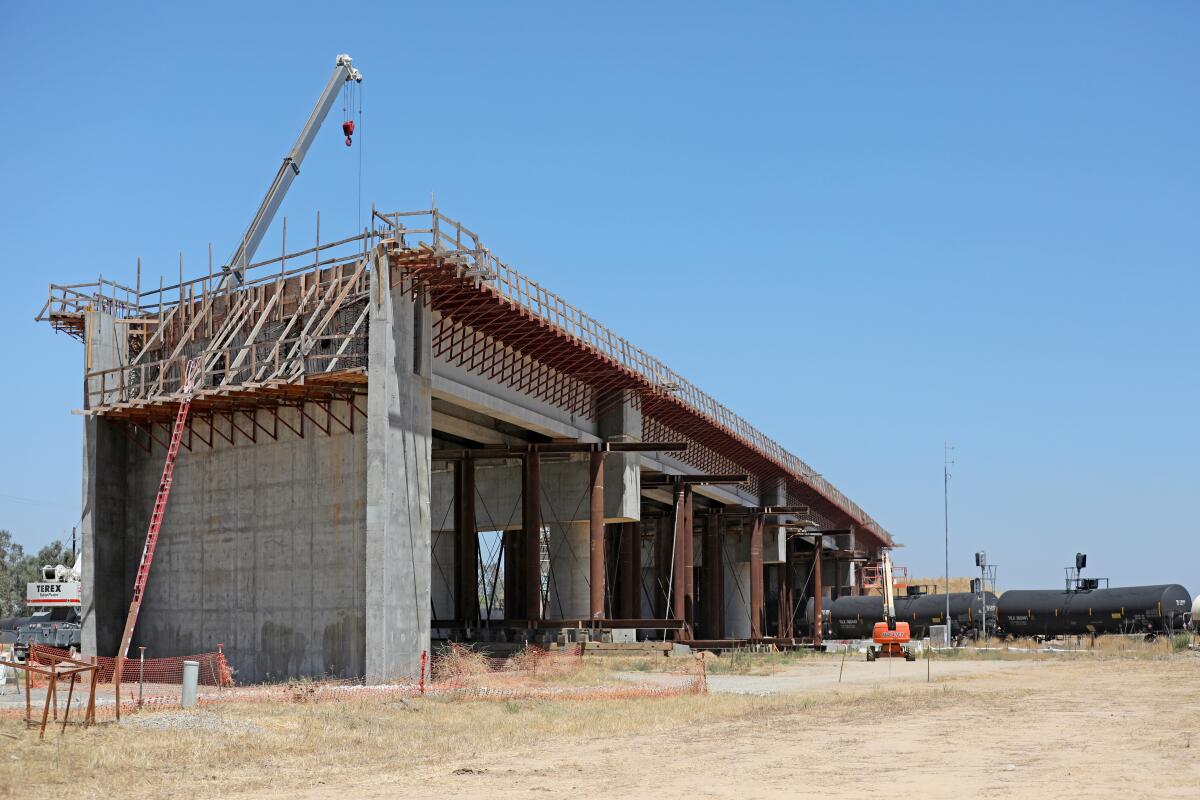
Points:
x=360 y=158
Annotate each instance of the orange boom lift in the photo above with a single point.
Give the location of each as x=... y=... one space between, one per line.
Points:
x=891 y=637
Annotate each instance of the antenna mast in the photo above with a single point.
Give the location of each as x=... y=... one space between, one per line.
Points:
x=946 y=517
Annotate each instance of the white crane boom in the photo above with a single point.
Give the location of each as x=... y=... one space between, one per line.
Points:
x=889 y=593
x=343 y=71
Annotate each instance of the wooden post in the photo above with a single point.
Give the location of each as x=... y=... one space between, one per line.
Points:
x=91 y=711
x=46 y=706
x=70 y=694
x=120 y=664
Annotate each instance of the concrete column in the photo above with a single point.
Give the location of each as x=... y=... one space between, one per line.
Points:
x=531 y=517
x=596 y=549
x=756 y=577
x=105 y=591
x=618 y=420
x=398 y=521
x=466 y=550
x=569 y=588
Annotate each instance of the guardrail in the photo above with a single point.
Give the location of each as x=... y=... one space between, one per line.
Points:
x=442 y=232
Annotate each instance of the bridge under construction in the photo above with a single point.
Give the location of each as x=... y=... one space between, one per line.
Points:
x=397 y=437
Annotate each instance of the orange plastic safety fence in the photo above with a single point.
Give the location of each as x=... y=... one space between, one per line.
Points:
x=214 y=670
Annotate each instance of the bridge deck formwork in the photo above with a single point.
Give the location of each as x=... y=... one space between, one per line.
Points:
x=381 y=420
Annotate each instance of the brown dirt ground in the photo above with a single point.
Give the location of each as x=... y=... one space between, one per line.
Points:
x=1109 y=728
x=1042 y=727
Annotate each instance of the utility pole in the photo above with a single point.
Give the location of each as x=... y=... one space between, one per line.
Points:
x=946 y=517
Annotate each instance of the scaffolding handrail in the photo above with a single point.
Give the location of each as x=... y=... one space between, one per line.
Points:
x=532 y=297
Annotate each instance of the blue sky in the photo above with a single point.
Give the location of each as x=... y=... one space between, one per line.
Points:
x=918 y=222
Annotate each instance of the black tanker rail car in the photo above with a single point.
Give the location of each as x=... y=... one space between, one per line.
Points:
x=1131 y=609
x=855 y=617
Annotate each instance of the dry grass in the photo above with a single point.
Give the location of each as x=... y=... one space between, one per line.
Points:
x=460 y=662
x=1108 y=646
x=259 y=746
x=741 y=662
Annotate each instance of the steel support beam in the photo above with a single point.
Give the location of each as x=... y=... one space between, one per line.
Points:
x=531 y=521
x=466 y=542
x=514 y=563
x=631 y=569
x=596 y=572
x=513 y=451
x=678 y=582
x=662 y=565
x=712 y=595
x=756 y=578
x=689 y=560
x=783 y=627
x=818 y=591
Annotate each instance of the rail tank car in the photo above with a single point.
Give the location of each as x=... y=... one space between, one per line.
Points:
x=1058 y=612
x=854 y=617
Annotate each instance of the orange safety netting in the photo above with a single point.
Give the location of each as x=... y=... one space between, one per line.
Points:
x=214 y=670
x=461 y=673
x=457 y=673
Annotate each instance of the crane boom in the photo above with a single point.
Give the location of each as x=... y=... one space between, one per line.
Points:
x=235 y=268
x=889 y=592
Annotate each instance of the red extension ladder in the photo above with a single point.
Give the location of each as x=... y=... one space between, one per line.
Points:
x=190 y=379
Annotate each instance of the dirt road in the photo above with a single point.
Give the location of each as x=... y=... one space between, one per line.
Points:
x=1037 y=729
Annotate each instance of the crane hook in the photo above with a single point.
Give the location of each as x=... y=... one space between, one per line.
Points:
x=348 y=130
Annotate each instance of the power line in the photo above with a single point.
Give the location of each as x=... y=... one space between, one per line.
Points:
x=31 y=501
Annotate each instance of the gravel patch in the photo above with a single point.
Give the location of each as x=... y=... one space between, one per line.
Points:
x=187 y=721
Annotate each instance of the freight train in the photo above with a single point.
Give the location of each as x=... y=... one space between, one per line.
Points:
x=1046 y=613
x=1038 y=613
x=854 y=617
